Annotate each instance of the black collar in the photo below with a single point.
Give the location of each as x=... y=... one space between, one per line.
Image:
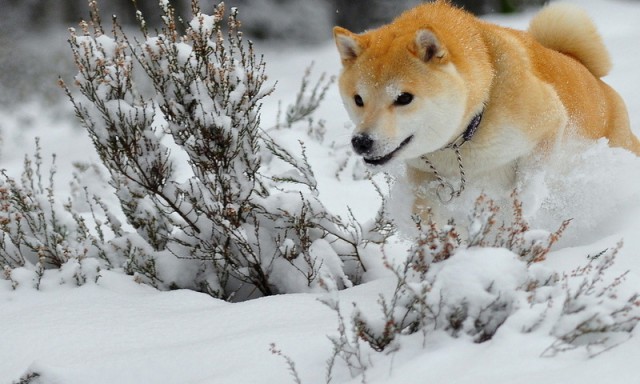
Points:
x=473 y=126
x=471 y=130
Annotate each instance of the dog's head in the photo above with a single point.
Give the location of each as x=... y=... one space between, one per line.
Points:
x=403 y=89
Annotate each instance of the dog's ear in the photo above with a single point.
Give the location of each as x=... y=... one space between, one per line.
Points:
x=428 y=46
x=349 y=44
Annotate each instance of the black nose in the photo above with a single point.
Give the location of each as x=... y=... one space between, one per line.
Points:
x=362 y=143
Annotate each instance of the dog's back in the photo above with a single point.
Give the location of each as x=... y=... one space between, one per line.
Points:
x=568 y=29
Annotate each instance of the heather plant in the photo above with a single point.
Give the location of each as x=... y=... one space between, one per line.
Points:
x=40 y=233
x=581 y=309
x=594 y=315
x=222 y=224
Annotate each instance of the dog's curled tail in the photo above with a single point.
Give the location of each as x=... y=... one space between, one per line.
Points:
x=568 y=29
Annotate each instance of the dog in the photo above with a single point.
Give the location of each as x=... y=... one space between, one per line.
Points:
x=460 y=100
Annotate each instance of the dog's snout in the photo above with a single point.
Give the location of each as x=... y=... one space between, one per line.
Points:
x=362 y=143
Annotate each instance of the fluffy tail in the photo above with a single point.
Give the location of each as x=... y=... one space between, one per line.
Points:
x=568 y=29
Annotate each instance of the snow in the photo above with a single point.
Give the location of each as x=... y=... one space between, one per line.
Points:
x=204 y=24
x=111 y=329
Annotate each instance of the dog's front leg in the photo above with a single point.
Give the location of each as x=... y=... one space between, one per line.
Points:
x=425 y=205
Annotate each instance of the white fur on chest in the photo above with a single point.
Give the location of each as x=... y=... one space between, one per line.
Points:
x=488 y=159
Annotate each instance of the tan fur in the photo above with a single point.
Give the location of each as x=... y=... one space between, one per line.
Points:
x=535 y=88
x=568 y=29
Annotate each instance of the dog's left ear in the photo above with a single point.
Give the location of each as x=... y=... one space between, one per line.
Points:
x=428 y=46
x=350 y=45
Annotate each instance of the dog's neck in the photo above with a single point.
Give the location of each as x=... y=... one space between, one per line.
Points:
x=445 y=190
x=468 y=133
x=472 y=127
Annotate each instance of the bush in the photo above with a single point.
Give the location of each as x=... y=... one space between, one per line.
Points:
x=472 y=287
x=222 y=224
x=39 y=233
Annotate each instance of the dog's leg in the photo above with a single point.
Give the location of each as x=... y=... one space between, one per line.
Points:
x=425 y=204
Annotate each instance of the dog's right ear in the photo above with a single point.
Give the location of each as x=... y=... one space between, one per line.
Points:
x=428 y=46
x=349 y=44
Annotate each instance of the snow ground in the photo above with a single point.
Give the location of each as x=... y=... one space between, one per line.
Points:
x=117 y=331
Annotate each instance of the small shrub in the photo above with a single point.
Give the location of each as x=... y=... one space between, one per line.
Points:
x=516 y=235
x=226 y=226
x=40 y=233
x=501 y=267
x=593 y=314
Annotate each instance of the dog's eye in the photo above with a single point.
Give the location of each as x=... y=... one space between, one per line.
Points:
x=404 y=99
x=358 y=100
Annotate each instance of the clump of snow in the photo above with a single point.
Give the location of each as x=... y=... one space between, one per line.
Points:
x=204 y=24
x=474 y=280
x=590 y=183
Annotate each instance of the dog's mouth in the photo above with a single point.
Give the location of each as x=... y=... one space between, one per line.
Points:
x=384 y=159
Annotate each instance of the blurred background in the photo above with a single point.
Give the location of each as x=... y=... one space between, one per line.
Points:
x=33 y=50
x=301 y=20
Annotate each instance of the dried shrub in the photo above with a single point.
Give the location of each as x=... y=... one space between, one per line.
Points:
x=226 y=226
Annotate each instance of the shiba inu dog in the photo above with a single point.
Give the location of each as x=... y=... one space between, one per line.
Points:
x=460 y=100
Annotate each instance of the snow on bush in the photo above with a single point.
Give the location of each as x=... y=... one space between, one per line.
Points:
x=40 y=234
x=472 y=288
x=226 y=225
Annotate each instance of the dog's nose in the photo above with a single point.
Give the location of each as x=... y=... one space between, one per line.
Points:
x=362 y=143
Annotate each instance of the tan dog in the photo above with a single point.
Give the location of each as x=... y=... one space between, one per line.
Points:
x=462 y=100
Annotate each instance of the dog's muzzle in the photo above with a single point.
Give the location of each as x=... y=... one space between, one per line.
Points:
x=377 y=160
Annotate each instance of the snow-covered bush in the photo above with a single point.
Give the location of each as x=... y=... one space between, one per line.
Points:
x=593 y=314
x=450 y=284
x=188 y=160
x=38 y=233
x=471 y=288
